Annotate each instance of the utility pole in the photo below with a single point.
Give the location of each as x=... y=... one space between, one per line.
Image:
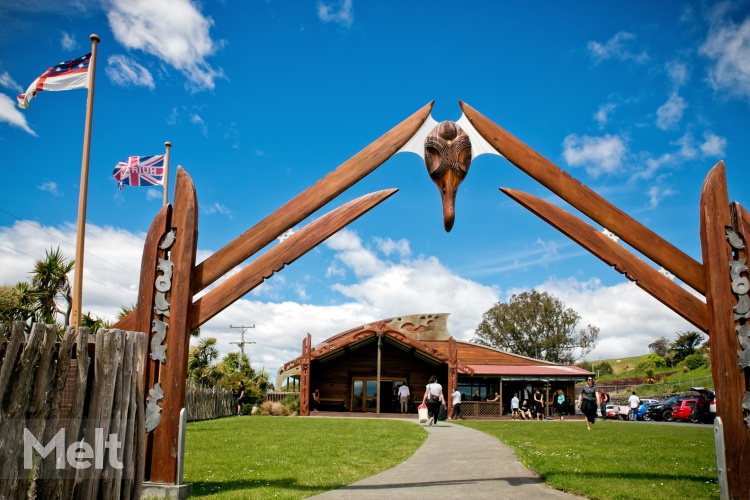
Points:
x=242 y=343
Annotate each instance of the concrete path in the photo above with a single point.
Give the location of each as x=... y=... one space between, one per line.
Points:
x=454 y=462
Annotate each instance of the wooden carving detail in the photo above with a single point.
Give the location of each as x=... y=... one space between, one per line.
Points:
x=738 y=274
x=447 y=155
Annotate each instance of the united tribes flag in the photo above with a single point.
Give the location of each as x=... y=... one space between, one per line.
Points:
x=68 y=75
x=140 y=171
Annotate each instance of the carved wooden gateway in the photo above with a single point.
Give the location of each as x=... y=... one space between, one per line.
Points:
x=170 y=279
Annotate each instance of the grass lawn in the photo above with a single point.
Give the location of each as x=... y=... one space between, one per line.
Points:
x=289 y=457
x=615 y=460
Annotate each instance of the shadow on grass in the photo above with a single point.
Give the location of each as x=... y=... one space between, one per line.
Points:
x=205 y=488
x=636 y=476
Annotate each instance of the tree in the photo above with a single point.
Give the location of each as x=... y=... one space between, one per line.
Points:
x=660 y=347
x=603 y=368
x=537 y=325
x=51 y=286
x=685 y=344
x=200 y=358
x=16 y=303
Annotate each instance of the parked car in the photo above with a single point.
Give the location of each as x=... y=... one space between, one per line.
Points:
x=612 y=411
x=708 y=417
x=682 y=408
x=624 y=410
x=662 y=410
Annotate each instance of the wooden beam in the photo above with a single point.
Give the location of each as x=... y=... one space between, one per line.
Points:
x=589 y=202
x=728 y=377
x=308 y=201
x=646 y=277
x=301 y=206
x=283 y=254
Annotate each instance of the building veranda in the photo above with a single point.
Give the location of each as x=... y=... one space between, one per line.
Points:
x=360 y=370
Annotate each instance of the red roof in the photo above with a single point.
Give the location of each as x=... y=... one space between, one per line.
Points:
x=532 y=370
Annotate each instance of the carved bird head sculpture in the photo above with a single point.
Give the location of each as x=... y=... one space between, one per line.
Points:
x=447 y=155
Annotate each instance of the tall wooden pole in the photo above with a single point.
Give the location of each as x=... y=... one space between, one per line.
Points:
x=166 y=173
x=81 y=232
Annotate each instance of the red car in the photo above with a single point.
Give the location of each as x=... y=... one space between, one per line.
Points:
x=682 y=408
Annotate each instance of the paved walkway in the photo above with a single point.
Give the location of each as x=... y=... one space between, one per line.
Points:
x=454 y=462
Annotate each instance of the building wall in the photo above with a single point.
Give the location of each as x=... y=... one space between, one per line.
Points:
x=334 y=377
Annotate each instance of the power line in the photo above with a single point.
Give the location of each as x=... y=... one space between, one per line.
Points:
x=64 y=241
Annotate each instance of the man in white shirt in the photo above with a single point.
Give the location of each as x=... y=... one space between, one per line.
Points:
x=403 y=397
x=634 y=402
x=456 y=413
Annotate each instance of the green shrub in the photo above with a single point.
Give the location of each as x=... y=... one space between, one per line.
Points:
x=658 y=361
x=604 y=368
x=695 y=361
x=645 y=366
x=291 y=402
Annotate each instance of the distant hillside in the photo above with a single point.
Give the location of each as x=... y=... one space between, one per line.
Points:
x=622 y=366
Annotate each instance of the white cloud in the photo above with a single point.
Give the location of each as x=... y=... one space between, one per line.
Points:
x=670 y=113
x=217 y=208
x=728 y=47
x=652 y=166
x=687 y=146
x=678 y=73
x=9 y=83
x=602 y=114
x=68 y=41
x=50 y=187
x=124 y=71
x=172 y=118
x=340 y=12
x=657 y=193
x=173 y=30
x=201 y=124
x=387 y=246
x=598 y=155
x=9 y=113
x=353 y=255
x=713 y=145
x=629 y=319
x=616 y=48
x=154 y=194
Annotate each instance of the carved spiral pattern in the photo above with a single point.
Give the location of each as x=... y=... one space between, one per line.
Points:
x=741 y=287
x=162 y=283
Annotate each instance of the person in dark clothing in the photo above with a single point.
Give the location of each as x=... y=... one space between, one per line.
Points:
x=476 y=396
x=588 y=401
x=240 y=396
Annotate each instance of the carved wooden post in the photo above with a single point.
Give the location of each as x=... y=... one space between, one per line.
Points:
x=452 y=372
x=725 y=285
x=304 y=383
x=165 y=298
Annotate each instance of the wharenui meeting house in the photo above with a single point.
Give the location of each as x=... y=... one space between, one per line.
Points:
x=360 y=370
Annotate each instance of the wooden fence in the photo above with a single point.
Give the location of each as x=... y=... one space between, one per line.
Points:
x=94 y=450
x=275 y=397
x=203 y=403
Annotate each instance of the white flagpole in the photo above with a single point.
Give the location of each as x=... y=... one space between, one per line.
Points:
x=81 y=233
x=166 y=173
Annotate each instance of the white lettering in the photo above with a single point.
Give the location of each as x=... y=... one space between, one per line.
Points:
x=30 y=442
x=84 y=451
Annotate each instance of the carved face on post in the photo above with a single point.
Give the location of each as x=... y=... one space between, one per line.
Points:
x=447 y=155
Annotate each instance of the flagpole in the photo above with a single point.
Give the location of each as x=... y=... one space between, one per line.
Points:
x=166 y=173
x=81 y=232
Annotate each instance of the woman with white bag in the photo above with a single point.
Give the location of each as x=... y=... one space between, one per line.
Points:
x=433 y=398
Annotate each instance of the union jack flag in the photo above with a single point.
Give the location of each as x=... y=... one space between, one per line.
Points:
x=68 y=75
x=140 y=171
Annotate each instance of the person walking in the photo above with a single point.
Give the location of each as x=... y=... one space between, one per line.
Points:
x=403 y=398
x=240 y=396
x=433 y=398
x=588 y=401
x=456 y=413
x=634 y=402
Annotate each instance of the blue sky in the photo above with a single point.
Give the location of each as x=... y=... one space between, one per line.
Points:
x=262 y=99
